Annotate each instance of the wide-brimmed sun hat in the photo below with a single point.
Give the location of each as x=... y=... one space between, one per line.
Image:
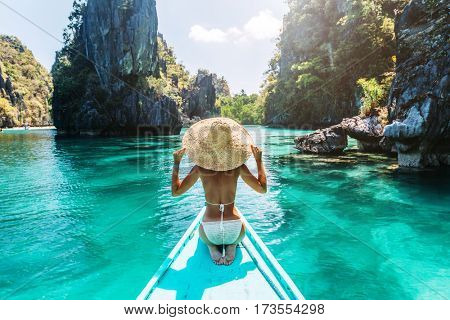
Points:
x=218 y=144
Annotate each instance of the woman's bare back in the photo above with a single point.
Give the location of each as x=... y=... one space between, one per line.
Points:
x=220 y=188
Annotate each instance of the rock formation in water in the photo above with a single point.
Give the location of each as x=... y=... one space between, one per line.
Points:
x=116 y=75
x=200 y=98
x=331 y=140
x=419 y=99
x=419 y=112
x=368 y=130
x=25 y=86
x=108 y=79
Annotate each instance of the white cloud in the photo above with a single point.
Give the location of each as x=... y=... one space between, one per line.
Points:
x=201 y=34
x=261 y=27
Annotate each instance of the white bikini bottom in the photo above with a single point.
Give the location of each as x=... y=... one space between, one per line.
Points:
x=222 y=232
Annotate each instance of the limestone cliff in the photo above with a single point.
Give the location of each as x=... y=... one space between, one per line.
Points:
x=108 y=79
x=200 y=98
x=418 y=122
x=121 y=40
x=325 y=48
x=419 y=99
x=25 y=86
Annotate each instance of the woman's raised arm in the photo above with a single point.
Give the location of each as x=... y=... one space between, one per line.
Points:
x=180 y=187
x=258 y=184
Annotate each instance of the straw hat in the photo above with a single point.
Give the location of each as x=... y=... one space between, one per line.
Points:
x=218 y=144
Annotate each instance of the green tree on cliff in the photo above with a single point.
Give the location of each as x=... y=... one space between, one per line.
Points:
x=326 y=46
x=71 y=68
x=25 y=86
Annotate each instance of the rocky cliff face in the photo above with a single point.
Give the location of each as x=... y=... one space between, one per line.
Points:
x=121 y=88
x=25 y=86
x=6 y=89
x=419 y=112
x=200 y=100
x=9 y=98
x=121 y=40
x=221 y=86
x=324 y=49
x=302 y=39
x=419 y=100
x=200 y=97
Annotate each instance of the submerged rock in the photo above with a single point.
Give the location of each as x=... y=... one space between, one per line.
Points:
x=331 y=140
x=419 y=100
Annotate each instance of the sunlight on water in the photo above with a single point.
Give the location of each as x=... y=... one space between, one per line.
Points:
x=94 y=218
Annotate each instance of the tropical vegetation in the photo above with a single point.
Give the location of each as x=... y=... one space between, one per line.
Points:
x=331 y=54
x=246 y=109
x=25 y=86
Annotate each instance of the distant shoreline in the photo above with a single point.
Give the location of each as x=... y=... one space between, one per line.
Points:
x=30 y=128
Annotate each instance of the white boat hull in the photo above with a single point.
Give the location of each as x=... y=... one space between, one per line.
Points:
x=189 y=274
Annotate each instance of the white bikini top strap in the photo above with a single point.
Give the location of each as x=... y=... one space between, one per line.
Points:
x=218 y=204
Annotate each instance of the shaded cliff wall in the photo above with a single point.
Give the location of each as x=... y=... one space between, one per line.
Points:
x=107 y=77
x=419 y=100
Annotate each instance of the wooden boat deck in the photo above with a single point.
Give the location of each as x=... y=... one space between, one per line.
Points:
x=189 y=274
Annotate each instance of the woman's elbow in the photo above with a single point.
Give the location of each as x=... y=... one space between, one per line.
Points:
x=263 y=189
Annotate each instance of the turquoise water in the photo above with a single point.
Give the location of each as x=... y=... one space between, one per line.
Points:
x=93 y=218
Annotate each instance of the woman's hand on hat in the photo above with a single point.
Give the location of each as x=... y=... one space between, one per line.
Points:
x=257 y=153
x=178 y=155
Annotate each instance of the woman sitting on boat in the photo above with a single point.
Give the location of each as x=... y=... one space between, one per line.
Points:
x=219 y=147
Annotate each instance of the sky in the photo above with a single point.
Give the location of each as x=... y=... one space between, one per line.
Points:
x=233 y=38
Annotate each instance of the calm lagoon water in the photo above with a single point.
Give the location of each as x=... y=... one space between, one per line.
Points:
x=94 y=218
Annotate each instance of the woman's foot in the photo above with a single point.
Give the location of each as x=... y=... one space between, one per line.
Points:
x=230 y=254
x=216 y=255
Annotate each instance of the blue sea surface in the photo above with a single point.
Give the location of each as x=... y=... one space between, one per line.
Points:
x=94 y=218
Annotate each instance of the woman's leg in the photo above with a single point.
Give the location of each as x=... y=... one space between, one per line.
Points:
x=241 y=235
x=214 y=251
x=203 y=236
x=230 y=250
